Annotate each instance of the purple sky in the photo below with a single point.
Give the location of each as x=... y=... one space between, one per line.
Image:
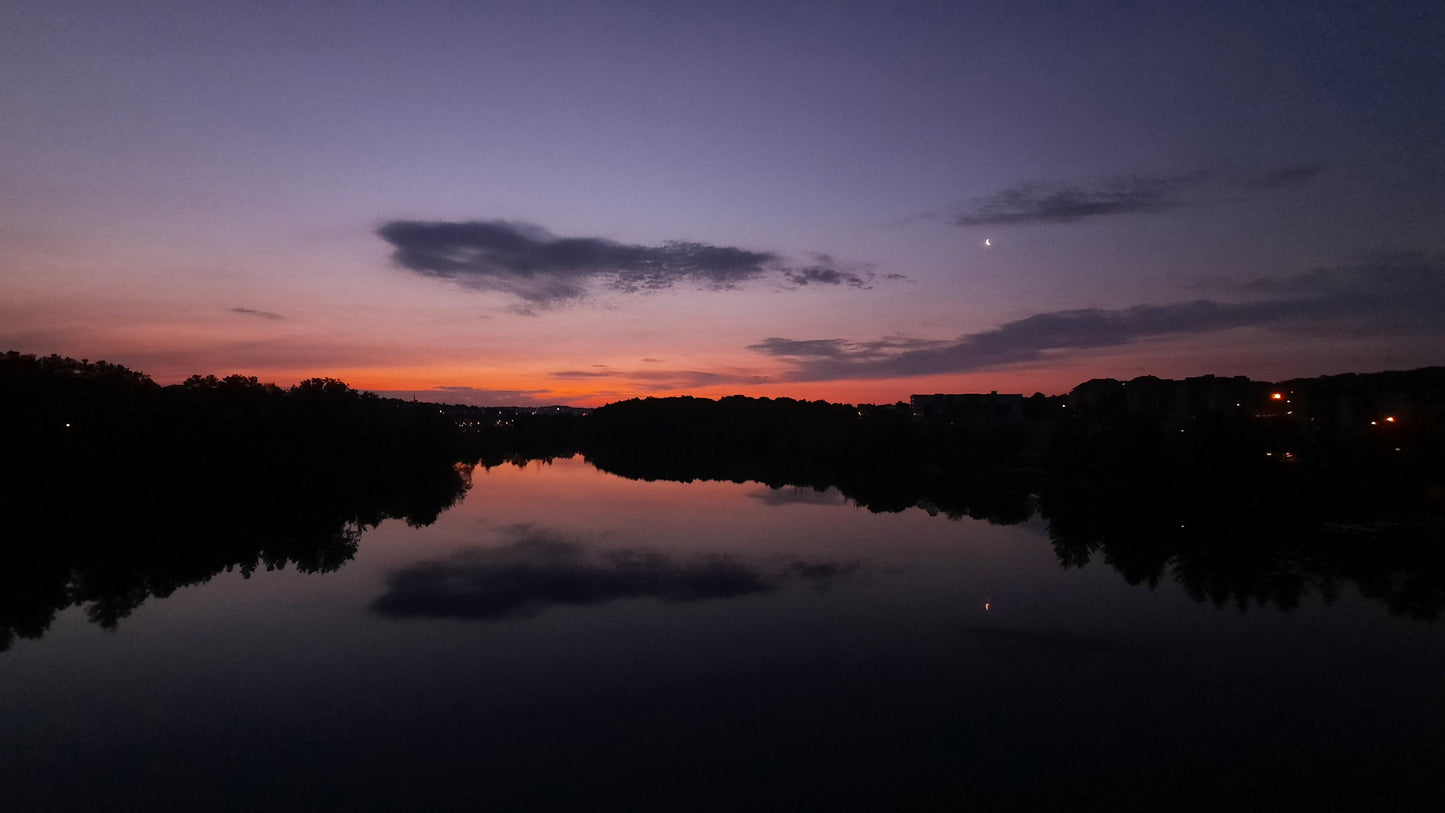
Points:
x=581 y=202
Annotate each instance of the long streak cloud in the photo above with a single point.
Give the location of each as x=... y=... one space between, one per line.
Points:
x=1400 y=294
x=542 y=269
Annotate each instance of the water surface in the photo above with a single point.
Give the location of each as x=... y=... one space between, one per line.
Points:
x=564 y=636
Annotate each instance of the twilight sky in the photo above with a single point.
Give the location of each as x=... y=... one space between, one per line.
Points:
x=556 y=202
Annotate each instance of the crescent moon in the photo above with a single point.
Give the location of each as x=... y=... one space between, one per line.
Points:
x=988 y=241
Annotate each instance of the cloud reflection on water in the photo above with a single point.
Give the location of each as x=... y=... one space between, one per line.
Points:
x=541 y=568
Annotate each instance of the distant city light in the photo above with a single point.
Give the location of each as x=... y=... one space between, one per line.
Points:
x=1276 y=396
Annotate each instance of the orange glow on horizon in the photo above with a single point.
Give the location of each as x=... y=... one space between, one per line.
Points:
x=523 y=381
x=514 y=386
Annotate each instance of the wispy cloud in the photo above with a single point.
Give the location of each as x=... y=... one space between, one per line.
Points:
x=1291 y=176
x=543 y=270
x=841 y=348
x=1400 y=294
x=476 y=396
x=819 y=275
x=576 y=374
x=257 y=314
x=540 y=568
x=668 y=379
x=1063 y=203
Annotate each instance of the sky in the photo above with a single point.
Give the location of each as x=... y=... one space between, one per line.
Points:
x=577 y=203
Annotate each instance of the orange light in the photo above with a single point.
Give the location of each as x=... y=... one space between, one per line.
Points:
x=1276 y=396
x=1390 y=419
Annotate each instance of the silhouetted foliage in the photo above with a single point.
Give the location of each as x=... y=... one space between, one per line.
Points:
x=877 y=456
x=492 y=436
x=210 y=475
x=1244 y=502
x=1244 y=492
x=1232 y=513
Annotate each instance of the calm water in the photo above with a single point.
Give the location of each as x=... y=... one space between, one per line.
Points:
x=564 y=637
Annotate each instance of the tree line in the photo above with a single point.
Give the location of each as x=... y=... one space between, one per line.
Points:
x=117 y=489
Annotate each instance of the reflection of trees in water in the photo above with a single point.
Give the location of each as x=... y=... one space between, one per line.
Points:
x=1230 y=553
x=1236 y=527
x=115 y=490
x=147 y=532
x=1208 y=508
x=878 y=457
x=221 y=474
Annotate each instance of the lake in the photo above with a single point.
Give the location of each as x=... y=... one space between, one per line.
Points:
x=564 y=638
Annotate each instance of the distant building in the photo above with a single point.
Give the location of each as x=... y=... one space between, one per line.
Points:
x=1216 y=395
x=1168 y=399
x=968 y=408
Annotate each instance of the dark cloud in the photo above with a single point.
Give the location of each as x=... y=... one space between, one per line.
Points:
x=1400 y=277
x=804 y=348
x=541 y=569
x=1286 y=177
x=1066 y=202
x=840 y=348
x=819 y=275
x=257 y=314
x=1399 y=294
x=583 y=374
x=542 y=269
x=1062 y=203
